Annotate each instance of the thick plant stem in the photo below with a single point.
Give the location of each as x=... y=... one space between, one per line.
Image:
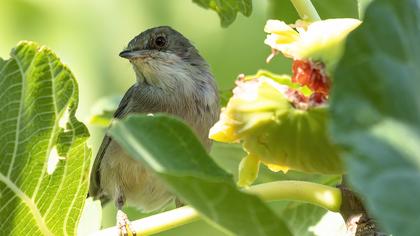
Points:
x=306 y=10
x=317 y=194
x=158 y=223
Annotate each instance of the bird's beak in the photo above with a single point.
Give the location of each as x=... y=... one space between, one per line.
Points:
x=130 y=54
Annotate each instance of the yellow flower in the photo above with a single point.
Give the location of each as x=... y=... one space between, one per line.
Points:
x=254 y=103
x=282 y=122
x=320 y=40
x=277 y=126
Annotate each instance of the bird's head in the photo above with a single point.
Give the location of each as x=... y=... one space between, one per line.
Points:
x=163 y=57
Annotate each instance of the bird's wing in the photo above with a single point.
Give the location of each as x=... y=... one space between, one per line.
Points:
x=95 y=182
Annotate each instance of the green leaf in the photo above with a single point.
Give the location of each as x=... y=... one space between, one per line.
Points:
x=44 y=160
x=376 y=113
x=227 y=9
x=171 y=149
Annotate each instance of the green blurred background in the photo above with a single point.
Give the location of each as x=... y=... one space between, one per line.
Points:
x=88 y=35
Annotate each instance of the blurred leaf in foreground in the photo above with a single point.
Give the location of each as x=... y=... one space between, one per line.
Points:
x=171 y=149
x=376 y=113
x=227 y=9
x=44 y=160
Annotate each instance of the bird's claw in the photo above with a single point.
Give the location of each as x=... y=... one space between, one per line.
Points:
x=124 y=225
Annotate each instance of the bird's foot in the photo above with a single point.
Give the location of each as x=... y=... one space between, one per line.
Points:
x=124 y=225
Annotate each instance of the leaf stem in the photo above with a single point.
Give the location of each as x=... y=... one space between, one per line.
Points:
x=317 y=194
x=306 y=10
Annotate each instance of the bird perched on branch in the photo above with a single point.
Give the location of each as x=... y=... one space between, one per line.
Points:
x=172 y=78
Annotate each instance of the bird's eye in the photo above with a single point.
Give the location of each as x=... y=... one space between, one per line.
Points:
x=160 y=41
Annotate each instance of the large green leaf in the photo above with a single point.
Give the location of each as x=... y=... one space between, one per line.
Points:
x=44 y=160
x=376 y=113
x=227 y=9
x=171 y=149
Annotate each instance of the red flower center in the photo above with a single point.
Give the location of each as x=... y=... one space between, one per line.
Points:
x=312 y=75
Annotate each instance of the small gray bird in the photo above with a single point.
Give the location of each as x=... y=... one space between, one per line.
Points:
x=172 y=78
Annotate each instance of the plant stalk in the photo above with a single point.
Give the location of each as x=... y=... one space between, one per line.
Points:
x=157 y=223
x=317 y=194
x=362 y=5
x=306 y=10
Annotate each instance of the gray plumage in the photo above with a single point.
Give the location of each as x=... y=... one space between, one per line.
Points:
x=172 y=78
